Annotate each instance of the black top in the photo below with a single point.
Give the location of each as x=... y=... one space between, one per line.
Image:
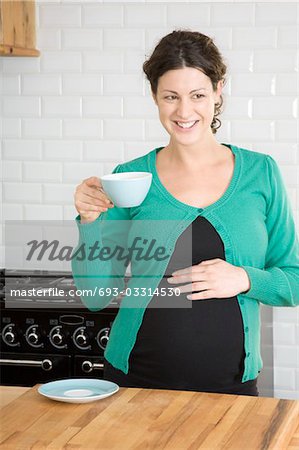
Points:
x=189 y=345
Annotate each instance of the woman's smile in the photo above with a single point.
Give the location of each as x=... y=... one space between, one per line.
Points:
x=185 y=127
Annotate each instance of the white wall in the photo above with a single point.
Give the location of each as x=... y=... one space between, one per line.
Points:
x=84 y=106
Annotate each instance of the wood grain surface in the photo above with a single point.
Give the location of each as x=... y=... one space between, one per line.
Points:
x=151 y=419
x=17 y=30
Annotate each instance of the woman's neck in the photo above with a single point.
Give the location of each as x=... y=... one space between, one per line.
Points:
x=196 y=156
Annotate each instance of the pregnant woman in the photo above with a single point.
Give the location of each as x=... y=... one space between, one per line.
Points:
x=244 y=248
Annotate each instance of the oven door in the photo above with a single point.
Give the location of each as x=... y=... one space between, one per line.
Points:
x=28 y=369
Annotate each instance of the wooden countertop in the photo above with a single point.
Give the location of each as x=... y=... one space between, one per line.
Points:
x=146 y=418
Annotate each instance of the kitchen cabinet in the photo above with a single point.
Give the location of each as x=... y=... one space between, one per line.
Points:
x=17 y=28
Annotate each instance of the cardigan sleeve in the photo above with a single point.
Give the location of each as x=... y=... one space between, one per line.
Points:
x=277 y=284
x=99 y=278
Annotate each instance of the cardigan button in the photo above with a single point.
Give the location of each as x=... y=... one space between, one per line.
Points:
x=200 y=210
x=242 y=301
x=248 y=354
x=246 y=329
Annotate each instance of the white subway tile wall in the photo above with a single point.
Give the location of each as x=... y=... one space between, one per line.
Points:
x=84 y=106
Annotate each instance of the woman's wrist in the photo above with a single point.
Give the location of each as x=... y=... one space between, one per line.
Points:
x=246 y=285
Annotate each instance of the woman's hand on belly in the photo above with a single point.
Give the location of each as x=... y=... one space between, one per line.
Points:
x=214 y=278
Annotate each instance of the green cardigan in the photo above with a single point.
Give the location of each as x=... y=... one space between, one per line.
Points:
x=254 y=220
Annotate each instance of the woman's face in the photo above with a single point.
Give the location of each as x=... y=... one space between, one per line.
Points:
x=186 y=102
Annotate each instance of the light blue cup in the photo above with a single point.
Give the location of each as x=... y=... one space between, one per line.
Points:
x=127 y=189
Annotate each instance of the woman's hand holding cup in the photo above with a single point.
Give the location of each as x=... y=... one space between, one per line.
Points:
x=91 y=200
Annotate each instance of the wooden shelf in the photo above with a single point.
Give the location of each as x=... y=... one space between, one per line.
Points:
x=17 y=28
x=8 y=50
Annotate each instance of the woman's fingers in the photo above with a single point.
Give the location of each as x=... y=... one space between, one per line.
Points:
x=90 y=199
x=95 y=201
x=204 y=295
x=93 y=188
x=86 y=207
x=193 y=287
x=191 y=276
x=93 y=181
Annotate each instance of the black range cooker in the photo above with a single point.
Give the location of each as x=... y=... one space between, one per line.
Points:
x=46 y=331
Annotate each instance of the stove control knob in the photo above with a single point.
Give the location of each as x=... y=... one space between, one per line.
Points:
x=57 y=338
x=33 y=337
x=9 y=335
x=81 y=339
x=103 y=338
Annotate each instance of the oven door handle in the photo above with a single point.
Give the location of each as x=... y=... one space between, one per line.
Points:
x=88 y=366
x=46 y=364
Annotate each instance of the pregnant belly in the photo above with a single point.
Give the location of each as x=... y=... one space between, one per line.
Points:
x=203 y=344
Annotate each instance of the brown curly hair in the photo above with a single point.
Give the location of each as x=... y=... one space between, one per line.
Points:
x=185 y=48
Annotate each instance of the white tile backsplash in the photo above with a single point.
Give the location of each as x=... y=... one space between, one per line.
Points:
x=116 y=84
x=286 y=356
x=239 y=61
x=57 y=193
x=240 y=107
x=82 y=128
x=11 y=85
x=232 y=14
x=11 y=171
x=62 y=106
x=21 y=106
x=285 y=379
x=281 y=13
x=21 y=65
x=123 y=39
x=102 y=106
x=284 y=109
x=59 y=16
x=102 y=16
x=11 y=128
x=22 y=192
x=40 y=84
x=144 y=16
x=41 y=128
x=262 y=129
x=22 y=149
x=75 y=172
x=253 y=84
x=288 y=37
x=12 y=211
x=49 y=39
x=133 y=105
x=62 y=150
x=192 y=16
x=254 y=37
x=61 y=62
x=286 y=130
x=44 y=171
x=277 y=61
x=47 y=212
x=103 y=150
x=123 y=129
x=85 y=84
x=73 y=39
x=83 y=107
x=285 y=333
x=102 y=62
